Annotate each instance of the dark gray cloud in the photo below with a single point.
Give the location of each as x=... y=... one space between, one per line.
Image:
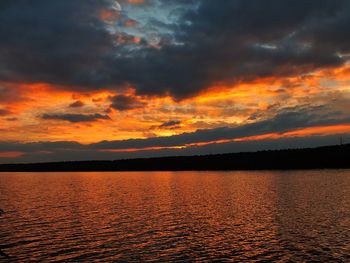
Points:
x=58 y=42
x=124 y=103
x=39 y=146
x=65 y=42
x=170 y=125
x=74 y=118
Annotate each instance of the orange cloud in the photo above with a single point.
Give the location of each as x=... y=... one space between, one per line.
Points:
x=220 y=105
x=130 y=23
x=136 y=2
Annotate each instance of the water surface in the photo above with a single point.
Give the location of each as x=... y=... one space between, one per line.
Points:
x=176 y=216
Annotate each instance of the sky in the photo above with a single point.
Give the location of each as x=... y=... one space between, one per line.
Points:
x=92 y=80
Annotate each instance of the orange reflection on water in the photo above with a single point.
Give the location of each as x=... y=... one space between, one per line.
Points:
x=174 y=216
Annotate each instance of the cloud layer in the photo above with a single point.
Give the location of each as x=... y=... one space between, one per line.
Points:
x=286 y=130
x=202 y=43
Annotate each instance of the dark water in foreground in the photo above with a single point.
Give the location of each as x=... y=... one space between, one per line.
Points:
x=176 y=216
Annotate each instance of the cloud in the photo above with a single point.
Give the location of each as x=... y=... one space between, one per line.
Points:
x=169 y=124
x=8 y=94
x=303 y=124
x=54 y=42
x=124 y=103
x=4 y=112
x=77 y=104
x=199 y=43
x=74 y=118
x=281 y=123
x=12 y=119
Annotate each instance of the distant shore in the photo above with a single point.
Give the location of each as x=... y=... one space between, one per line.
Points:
x=327 y=157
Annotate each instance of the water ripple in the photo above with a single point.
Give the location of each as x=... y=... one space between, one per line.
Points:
x=177 y=217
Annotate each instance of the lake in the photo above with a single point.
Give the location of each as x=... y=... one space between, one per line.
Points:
x=176 y=216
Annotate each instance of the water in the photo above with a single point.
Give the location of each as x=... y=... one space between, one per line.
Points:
x=176 y=216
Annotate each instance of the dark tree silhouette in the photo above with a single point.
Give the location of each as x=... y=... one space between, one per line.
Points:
x=328 y=157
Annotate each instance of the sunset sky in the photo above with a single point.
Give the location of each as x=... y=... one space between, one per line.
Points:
x=87 y=79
